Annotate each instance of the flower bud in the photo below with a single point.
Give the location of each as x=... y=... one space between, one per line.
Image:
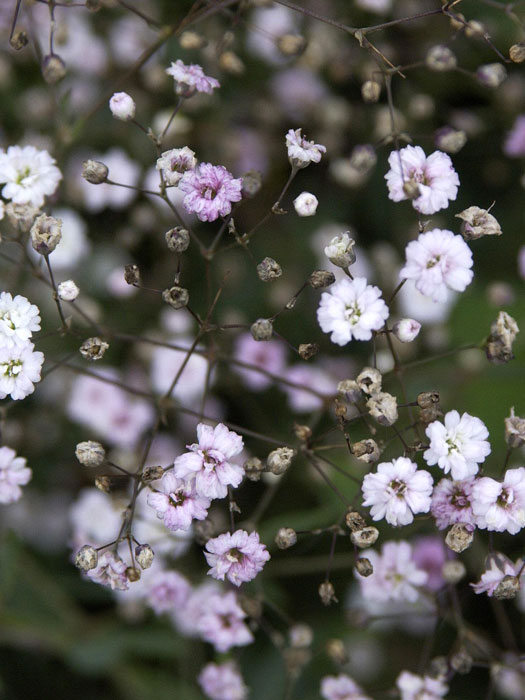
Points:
x=230 y=62
x=46 y=234
x=320 y=279
x=132 y=274
x=132 y=574
x=122 y=106
x=365 y=537
x=303 y=432
x=93 y=348
x=251 y=183
x=453 y=571
x=253 y=468
x=350 y=389
x=68 y=290
x=268 y=270
x=355 y=520
x=192 y=40
x=327 y=593
x=18 y=40
x=336 y=650
x=86 y=558
x=491 y=75
x=477 y=223
x=383 y=407
x=53 y=69
x=428 y=399
x=340 y=251
x=363 y=158
x=459 y=538
x=366 y=451
x=291 y=44
x=285 y=538
x=90 y=453
x=514 y=430
x=103 y=483
x=152 y=474
x=370 y=91
x=440 y=58
x=364 y=567
x=175 y=296
x=450 y=140
x=308 y=350
x=177 y=239
x=498 y=346
x=21 y=216
x=262 y=329
x=144 y=554
x=94 y=172
x=369 y=380
x=306 y=204
x=517 y=53
x=301 y=636
x=406 y=330
x=280 y=459
x=507 y=588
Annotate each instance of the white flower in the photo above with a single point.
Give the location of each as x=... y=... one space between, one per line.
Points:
x=30 y=175
x=406 y=330
x=302 y=152
x=397 y=491
x=122 y=106
x=18 y=319
x=414 y=687
x=500 y=506
x=19 y=368
x=13 y=474
x=306 y=204
x=174 y=163
x=437 y=261
x=68 y=290
x=340 y=251
x=352 y=309
x=458 y=446
x=434 y=177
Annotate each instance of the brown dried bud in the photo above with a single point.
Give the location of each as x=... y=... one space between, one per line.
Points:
x=262 y=329
x=18 y=40
x=428 y=399
x=477 y=223
x=364 y=567
x=459 y=538
x=440 y=58
x=453 y=571
x=340 y=409
x=203 y=531
x=46 y=234
x=336 y=650
x=21 y=216
x=308 y=350
x=285 y=538
x=303 y=432
x=253 y=468
x=86 y=558
x=370 y=91
x=268 y=270
x=176 y=297
x=144 y=554
x=517 y=53
x=291 y=44
x=366 y=451
x=491 y=75
x=251 y=183
x=514 y=430
x=498 y=347
x=90 y=453
x=507 y=588
x=461 y=661
x=230 y=62
x=93 y=348
x=450 y=140
x=327 y=593
x=150 y=474
x=191 y=40
x=280 y=459
x=365 y=537
x=53 y=69
x=132 y=274
x=355 y=520
x=177 y=239
x=94 y=172
x=321 y=278
x=369 y=380
x=350 y=389
x=103 y=483
x=383 y=407
x=132 y=574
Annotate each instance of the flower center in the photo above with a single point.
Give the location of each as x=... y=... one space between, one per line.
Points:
x=12 y=369
x=459 y=500
x=22 y=174
x=6 y=317
x=399 y=487
x=234 y=556
x=505 y=498
x=453 y=443
x=353 y=313
x=209 y=193
x=177 y=498
x=433 y=262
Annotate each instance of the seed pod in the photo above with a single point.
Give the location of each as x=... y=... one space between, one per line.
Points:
x=53 y=69
x=132 y=574
x=285 y=538
x=268 y=270
x=369 y=380
x=177 y=297
x=320 y=279
x=132 y=274
x=366 y=451
x=327 y=593
x=365 y=537
x=253 y=468
x=90 y=453
x=177 y=239
x=370 y=91
x=152 y=474
x=144 y=555
x=364 y=567
x=507 y=588
x=459 y=538
x=262 y=329
x=86 y=558
x=280 y=459
x=93 y=348
x=308 y=350
x=355 y=521
x=46 y=234
x=94 y=172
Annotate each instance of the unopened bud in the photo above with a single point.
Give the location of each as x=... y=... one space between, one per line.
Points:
x=122 y=106
x=336 y=650
x=291 y=44
x=383 y=407
x=152 y=474
x=132 y=574
x=94 y=172
x=365 y=537
x=406 y=330
x=90 y=453
x=93 y=348
x=177 y=239
x=321 y=278
x=450 y=140
x=251 y=183
x=514 y=430
x=68 y=290
x=517 y=53
x=46 y=234
x=53 y=69
x=363 y=158
x=303 y=432
x=268 y=270
x=262 y=329
x=477 y=223
x=308 y=350
x=177 y=297
x=350 y=389
x=253 y=468
x=459 y=538
x=440 y=58
x=327 y=593
x=301 y=636
x=280 y=459
x=366 y=450
x=285 y=538
x=18 y=40
x=369 y=380
x=370 y=91
x=144 y=554
x=306 y=204
x=453 y=571
x=340 y=251
x=491 y=75
x=192 y=40
x=86 y=558
x=364 y=567
x=507 y=588
x=132 y=274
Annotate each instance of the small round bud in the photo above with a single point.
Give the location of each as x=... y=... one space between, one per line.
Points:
x=280 y=459
x=491 y=75
x=192 y=40
x=268 y=270
x=103 y=483
x=365 y=537
x=306 y=204
x=251 y=183
x=336 y=650
x=406 y=330
x=94 y=172
x=440 y=58
x=319 y=279
x=327 y=593
x=411 y=189
x=86 y=558
x=230 y=62
x=18 y=40
x=132 y=574
x=428 y=399
x=340 y=251
x=177 y=297
x=152 y=474
x=507 y=588
x=253 y=468
x=364 y=567
x=68 y=290
x=355 y=520
x=459 y=538
x=366 y=451
x=132 y=274
x=177 y=239
x=46 y=234
x=517 y=53
x=122 y=106
x=301 y=636
x=383 y=407
x=144 y=554
x=350 y=390
x=461 y=661
x=308 y=350
x=369 y=380
x=303 y=432
x=453 y=571
x=90 y=453
x=285 y=538
x=450 y=140
x=262 y=329
x=291 y=44
x=53 y=69
x=93 y=348
x=370 y=91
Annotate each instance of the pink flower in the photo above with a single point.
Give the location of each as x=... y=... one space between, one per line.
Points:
x=308 y=376
x=269 y=356
x=500 y=506
x=435 y=176
x=110 y=571
x=497 y=567
x=192 y=76
x=451 y=503
x=239 y=556
x=302 y=152
x=222 y=622
x=430 y=554
x=210 y=191
x=208 y=461
x=396 y=575
x=177 y=502
x=13 y=475
x=514 y=146
x=397 y=491
x=222 y=682
x=167 y=591
x=438 y=260
x=414 y=687
x=341 y=687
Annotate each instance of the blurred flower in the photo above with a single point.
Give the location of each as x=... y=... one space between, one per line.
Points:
x=222 y=682
x=269 y=356
x=166 y=364
x=222 y=622
x=429 y=554
x=13 y=474
x=396 y=575
x=514 y=145
x=341 y=687
x=309 y=376
x=238 y=556
x=414 y=687
x=167 y=591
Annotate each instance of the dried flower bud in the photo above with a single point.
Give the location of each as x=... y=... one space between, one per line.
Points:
x=103 y=483
x=152 y=474
x=363 y=158
x=144 y=554
x=336 y=650
x=438 y=667
x=461 y=661
x=301 y=636
x=350 y=390
x=253 y=468
x=327 y=593
x=280 y=459
x=340 y=251
x=366 y=451
x=428 y=399
x=268 y=270
x=251 y=183
x=364 y=567
x=491 y=75
x=132 y=574
x=355 y=520
x=177 y=239
x=321 y=278
x=203 y=531
x=498 y=347
x=440 y=58
x=411 y=189
x=94 y=172
x=517 y=53
x=369 y=380
x=262 y=329
x=477 y=223
x=132 y=274
x=175 y=296
x=21 y=216
x=68 y=290
x=291 y=44
x=370 y=91
x=383 y=407
x=507 y=588
x=93 y=348
x=90 y=453
x=514 y=430
x=285 y=538
x=474 y=28
x=192 y=40
x=340 y=409
x=365 y=537
x=450 y=140
x=86 y=558
x=453 y=571
x=230 y=62
x=459 y=538
x=303 y=432
x=308 y=350
x=18 y=40
x=53 y=69
x=46 y=233
x=306 y=204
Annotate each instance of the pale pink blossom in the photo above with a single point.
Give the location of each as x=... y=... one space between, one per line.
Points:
x=341 y=687
x=396 y=575
x=406 y=330
x=174 y=163
x=13 y=474
x=222 y=682
x=110 y=571
x=500 y=506
x=514 y=145
x=414 y=687
x=452 y=503
x=167 y=591
x=193 y=76
x=177 y=503
x=239 y=557
x=210 y=191
x=438 y=261
x=429 y=553
x=269 y=356
x=222 y=622
x=302 y=152
x=435 y=176
x=497 y=567
x=302 y=400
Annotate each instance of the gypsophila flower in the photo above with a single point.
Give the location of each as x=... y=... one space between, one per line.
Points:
x=305 y=204
x=222 y=622
x=208 y=461
x=397 y=491
x=458 y=446
x=500 y=506
x=434 y=176
x=269 y=356
x=18 y=319
x=302 y=152
x=167 y=591
x=19 y=369
x=68 y=290
x=452 y=503
x=395 y=577
x=414 y=687
x=341 y=687
x=13 y=474
x=110 y=571
x=222 y=682
x=122 y=106
x=497 y=567
x=406 y=330
x=29 y=175
x=239 y=557
x=438 y=260
x=174 y=163
x=340 y=251
x=210 y=191
x=351 y=309
x=192 y=76
x=177 y=502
